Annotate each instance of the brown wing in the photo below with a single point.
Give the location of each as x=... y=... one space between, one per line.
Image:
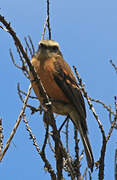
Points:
x=67 y=82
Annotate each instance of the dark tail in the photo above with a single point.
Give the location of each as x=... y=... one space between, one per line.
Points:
x=87 y=148
x=85 y=140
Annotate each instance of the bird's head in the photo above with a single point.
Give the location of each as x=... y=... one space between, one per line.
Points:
x=47 y=49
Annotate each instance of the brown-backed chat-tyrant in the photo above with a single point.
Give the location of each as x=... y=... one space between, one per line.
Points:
x=62 y=88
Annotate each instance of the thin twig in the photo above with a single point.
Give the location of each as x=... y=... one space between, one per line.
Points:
x=77 y=159
x=49 y=118
x=66 y=119
x=116 y=164
x=103 y=104
x=112 y=127
x=33 y=49
x=13 y=60
x=59 y=148
x=31 y=134
x=67 y=136
x=108 y=108
x=48 y=15
x=44 y=29
x=19 y=93
x=89 y=102
x=23 y=67
x=50 y=145
x=115 y=67
x=116 y=104
x=4 y=28
x=24 y=93
x=21 y=57
x=16 y=125
x=114 y=122
x=28 y=47
x=32 y=108
x=103 y=149
x=1 y=136
x=41 y=153
x=46 y=138
x=104 y=142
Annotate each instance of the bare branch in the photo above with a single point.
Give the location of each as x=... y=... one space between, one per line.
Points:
x=48 y=15
x=67 y=137
x=23 y=67
x=89 y=102
x=115 y=67
x=1 y=136
x=77 y=159
x=103 y=150
x=16 y=125
x=46 y=138
x=32 y=108
x=50 y=145
x=49 y=119
x=66 y=119
x=108 y=108
x=4 y=28
x=28 y=46
x=24 y=93
x=41 y=153
x=13 y=60
x=115 y=164
x=104 y=142
x=101 y=160
x=19 y=92
x=43 y=34
x=116 y=104
x=114 y=122
x=33 y=49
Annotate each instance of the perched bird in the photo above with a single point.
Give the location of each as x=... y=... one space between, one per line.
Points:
x=62 y=89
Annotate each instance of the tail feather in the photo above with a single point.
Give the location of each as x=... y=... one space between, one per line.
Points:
x=87 y=147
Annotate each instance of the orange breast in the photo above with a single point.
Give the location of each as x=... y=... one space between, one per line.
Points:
x=45 y=71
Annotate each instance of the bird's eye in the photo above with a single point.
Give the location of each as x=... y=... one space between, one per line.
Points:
x=55 y=48
x=41 y=45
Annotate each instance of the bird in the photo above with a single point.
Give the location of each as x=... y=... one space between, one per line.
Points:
x=62 y=89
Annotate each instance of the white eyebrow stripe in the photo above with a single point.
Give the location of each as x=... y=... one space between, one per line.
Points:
x=49 y=43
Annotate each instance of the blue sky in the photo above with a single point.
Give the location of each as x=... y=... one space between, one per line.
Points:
x=87 y=34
